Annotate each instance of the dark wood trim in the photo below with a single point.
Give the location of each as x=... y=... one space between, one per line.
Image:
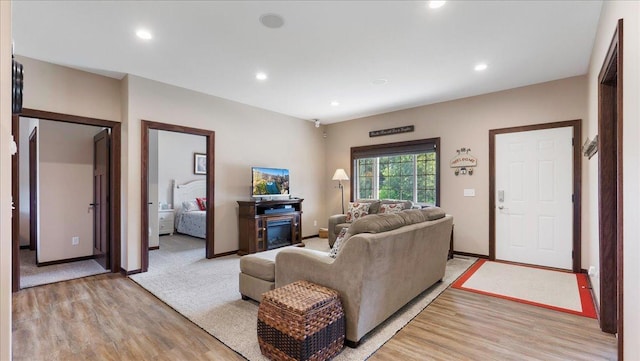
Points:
x=126 y=273
x=223 y=254
x=154 y=248
x=15 y=214
x=66 y=260
x=311 y=236
x=210 y=180
x=467 y=254
x=115 y=176
x=577 y=184
x=26 y=246
x=435 y=141
x=610 y=189
x=33 y=191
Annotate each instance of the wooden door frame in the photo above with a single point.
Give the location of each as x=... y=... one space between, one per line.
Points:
x=577 y=184
x=33 y=191
x=610 y=188
x=15 y=196
x=144 y=199
x=114 y=189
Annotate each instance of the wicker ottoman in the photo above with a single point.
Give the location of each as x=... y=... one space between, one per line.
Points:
x=301 y=321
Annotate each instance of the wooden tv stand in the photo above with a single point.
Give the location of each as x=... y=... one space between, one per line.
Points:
x=257 y=221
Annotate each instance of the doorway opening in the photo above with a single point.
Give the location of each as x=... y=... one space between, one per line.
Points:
x=575 y=195
x=111 y=214
x=610 y=170
x=196 y=188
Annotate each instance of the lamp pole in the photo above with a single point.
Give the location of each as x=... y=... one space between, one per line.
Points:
x=342 y=194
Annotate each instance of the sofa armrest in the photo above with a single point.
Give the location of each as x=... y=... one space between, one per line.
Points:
x=333 y=221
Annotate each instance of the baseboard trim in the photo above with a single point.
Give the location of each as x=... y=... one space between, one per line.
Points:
x=593 y=295
x=154 y=248
x=312 y=236
x=126 y=273
x=66 y=260
x=225 y=254
x=466 y=254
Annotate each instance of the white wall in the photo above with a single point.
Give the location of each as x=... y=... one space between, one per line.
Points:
x=154 y=227
x=5 y=180
x=175 y=161
x=26 y=127
x=459 y=123
x=65 y=190
x=629 y=11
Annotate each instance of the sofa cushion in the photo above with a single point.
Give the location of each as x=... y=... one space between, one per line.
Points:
x=376 y=223
x=412 y=216
x=374 y=205
x=391 y=207
x=261 y=265
x=339 y=243
x=433 y=213
x=356 y=211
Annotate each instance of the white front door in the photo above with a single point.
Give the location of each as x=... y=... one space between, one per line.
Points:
x=534 y=197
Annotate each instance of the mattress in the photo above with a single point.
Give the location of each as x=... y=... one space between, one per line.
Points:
x=192 y=223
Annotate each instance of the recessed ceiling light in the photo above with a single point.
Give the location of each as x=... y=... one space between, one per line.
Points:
x=272 y=21
x=144 y=34
x=380 y=81
x=261 y=76
x=480 y=67
x=335 y=103
x=436 y=4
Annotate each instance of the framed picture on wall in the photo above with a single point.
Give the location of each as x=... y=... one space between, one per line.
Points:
x=199 y=163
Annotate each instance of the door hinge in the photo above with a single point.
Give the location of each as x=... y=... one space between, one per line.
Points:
x=573 y=198
x=572 y=141
x=573 y=254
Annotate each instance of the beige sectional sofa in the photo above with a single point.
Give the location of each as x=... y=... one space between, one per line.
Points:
x=384 y=262
x=339 y=221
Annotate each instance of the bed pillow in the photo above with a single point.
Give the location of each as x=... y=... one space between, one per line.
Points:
x=202 y=203
x=190 y=206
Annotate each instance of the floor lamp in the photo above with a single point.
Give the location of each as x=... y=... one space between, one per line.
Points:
x=340 y=175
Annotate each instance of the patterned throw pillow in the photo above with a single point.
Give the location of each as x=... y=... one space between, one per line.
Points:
x=202 y=203
x=356 y=211
x=339 y=243
x=391 y=207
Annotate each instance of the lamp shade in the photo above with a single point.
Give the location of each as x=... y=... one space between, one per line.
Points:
x=340 y=175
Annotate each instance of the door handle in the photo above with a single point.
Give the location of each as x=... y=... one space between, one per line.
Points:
x=93 y=204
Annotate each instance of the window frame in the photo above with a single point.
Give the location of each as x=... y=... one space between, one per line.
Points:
x=398 y=148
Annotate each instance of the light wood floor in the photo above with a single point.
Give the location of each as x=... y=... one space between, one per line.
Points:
x=109 y=317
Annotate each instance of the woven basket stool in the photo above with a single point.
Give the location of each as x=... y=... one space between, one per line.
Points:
x=301 y=321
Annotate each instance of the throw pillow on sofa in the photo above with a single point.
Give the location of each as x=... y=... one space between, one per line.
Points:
x=339 y=242
x=391 y=207
x=357 y=211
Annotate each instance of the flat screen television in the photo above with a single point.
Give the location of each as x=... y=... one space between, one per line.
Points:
x=269 y=182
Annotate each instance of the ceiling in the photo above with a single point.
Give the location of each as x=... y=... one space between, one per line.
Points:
x=326 y=51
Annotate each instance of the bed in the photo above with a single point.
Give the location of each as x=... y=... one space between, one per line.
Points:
x=189 y=219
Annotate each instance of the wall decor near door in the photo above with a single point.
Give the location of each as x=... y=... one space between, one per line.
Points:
x=463 y=162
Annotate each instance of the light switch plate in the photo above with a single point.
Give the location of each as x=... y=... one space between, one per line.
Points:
x=470 y=192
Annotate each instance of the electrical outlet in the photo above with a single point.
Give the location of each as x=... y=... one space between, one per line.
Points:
x=593 y=272
x=75 y=240
x=315 y=223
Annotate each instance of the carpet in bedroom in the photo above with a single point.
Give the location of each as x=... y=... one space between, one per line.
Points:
x=206 y=292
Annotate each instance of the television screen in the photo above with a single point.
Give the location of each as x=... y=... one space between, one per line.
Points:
x=269 y=181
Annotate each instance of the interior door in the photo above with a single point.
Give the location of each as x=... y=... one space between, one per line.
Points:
x=101 y=153
x=33 y=191
x=534 y=197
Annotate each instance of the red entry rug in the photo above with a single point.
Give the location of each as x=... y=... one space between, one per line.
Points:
x=560 y=291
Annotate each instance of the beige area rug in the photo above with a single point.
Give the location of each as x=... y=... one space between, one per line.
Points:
x=206 y=292
x=560 y=291
x=32 y=275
